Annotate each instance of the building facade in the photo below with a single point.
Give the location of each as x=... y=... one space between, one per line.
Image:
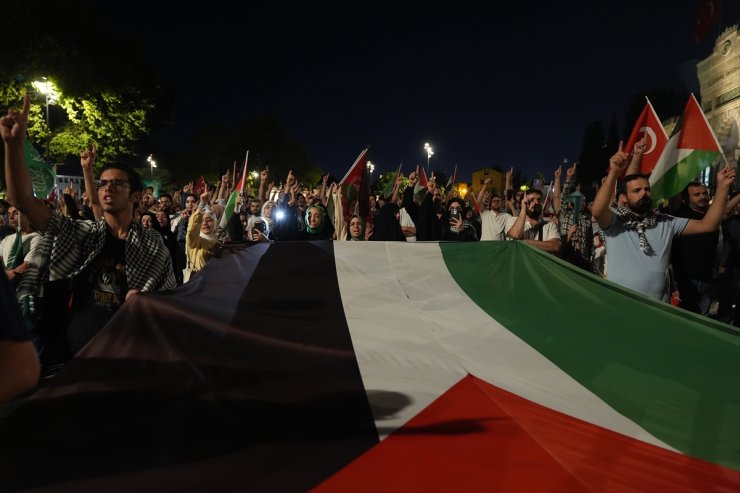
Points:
x=719 y=81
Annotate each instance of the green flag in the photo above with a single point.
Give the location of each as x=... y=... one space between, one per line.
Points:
x=42 y=175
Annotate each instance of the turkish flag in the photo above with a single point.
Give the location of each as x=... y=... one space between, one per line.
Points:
x=648 y=125
x=708 y=15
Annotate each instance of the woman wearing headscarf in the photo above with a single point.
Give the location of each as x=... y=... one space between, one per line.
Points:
x=201 y=240
x=318 y=227
x=169 y=238
x=386 y=225
x=356 y=230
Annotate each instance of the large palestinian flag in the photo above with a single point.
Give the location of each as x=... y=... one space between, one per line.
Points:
x=396 y=367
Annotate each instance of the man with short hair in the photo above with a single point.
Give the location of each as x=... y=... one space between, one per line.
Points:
x=165 y=203
x=693 y=256
x=530 y=227
x=639 y=240
x=109 y=260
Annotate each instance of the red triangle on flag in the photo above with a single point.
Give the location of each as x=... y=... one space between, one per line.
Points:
x=479 y=437
x=695 y=130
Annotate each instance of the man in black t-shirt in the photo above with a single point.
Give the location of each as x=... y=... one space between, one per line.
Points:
x=693 y=256
x=109 y=260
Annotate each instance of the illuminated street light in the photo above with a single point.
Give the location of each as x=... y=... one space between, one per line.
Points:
x=47 y=88
x=152 y=165
x=371 y=168
x=430 y=153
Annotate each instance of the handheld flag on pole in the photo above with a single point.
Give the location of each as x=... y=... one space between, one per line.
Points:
x=200 y=186
x=356 y=189
x=648 y=126
x=422 y=183
x=452 y=179
x=391 y=185
x=692 y=148
x=231 y=205
x=42 y=174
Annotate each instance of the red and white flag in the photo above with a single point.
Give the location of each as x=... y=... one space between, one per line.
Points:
x=648 y=125
x=708 y=15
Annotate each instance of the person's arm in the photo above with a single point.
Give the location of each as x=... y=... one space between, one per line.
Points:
x=322 y=192
x=715 y=213
x=517 y=229
x=482 y=191
x=263 y=181
x=408 y=196
x=20 y=191
x=289 y=181
x=87 y=162
x=637 y=151
x=550 y=246
x=396 y=187
x=556 y=190
x=601 y=210
x=731 y=204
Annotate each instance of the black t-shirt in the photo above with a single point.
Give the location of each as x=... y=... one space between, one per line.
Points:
x=12 y=327
x=98 y=291
x=692 y=256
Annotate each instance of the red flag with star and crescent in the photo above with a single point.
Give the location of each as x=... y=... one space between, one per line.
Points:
x=648 y=125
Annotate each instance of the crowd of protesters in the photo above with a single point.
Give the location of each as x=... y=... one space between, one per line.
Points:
x=74 y=261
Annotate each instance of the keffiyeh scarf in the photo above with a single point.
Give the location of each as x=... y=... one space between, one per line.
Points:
x=632 y=222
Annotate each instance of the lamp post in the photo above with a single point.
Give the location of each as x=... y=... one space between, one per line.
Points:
x=430 y=153
x=152 y=165
x=46 y=87
x=371 y=168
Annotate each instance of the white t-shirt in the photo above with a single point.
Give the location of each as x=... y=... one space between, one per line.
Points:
x=549 y=229
x=407 y=222
x=493 y=225
x=30 y=242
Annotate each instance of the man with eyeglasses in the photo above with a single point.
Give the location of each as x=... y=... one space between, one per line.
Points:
x=109 y=260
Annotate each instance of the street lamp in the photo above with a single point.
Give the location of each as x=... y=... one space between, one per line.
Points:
x=371 y=168
x=430 y=153
x=46 y=87
x=152 y=165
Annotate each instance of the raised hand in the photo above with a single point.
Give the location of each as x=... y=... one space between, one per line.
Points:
x=290 y=179
x=13 y=126
x=639 y=147
x=414 y=176
x=487 y=182
x=571 y=172
x=558 y=172
x=325 y=179
x=432 y=184
x=619 y=161
x=725 y=177
x=399 y=179
x=264 y=173
x=88 y=156
x=225 y=177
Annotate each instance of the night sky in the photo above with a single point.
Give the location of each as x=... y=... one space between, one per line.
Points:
x=482 y=85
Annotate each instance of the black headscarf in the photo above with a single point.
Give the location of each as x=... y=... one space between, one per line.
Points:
x=386 y=226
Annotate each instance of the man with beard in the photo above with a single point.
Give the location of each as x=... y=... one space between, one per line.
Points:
x=637 y=238
x=692 y=257
x=530 y=227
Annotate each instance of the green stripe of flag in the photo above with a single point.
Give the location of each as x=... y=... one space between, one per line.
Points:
x=674 y=373
x=675 y=178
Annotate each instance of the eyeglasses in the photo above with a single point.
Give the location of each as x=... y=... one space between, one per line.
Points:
x=115 y=183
